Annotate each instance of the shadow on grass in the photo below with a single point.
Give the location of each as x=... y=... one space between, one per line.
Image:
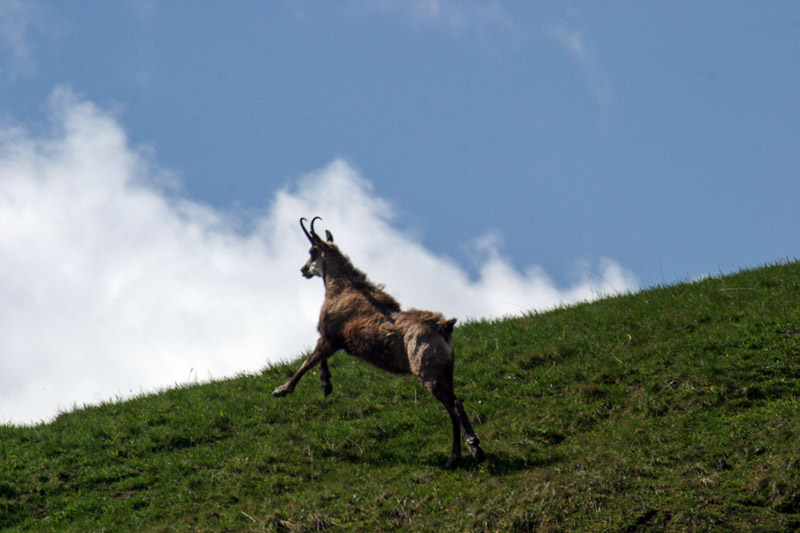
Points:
x=497 y=464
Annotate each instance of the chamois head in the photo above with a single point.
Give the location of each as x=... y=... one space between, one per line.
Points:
x=315 y=265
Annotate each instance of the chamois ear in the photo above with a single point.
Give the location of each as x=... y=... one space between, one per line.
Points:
x=328 y=236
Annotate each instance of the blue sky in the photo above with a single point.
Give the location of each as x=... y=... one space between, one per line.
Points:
x=665 y=136
x=522 y=148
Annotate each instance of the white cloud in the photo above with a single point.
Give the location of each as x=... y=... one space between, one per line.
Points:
x=577 y=45
x=17 y=19
x=112 y=286
x=573 y=41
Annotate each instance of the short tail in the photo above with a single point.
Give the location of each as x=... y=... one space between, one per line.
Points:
x=446 y=327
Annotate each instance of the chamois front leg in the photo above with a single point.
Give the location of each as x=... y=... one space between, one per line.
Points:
x=321 y=352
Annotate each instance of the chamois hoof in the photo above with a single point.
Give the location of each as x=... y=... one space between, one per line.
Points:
x=283 y=390
x=478 y=454
x=473 y=443
x=327 y=389
x=452 y=462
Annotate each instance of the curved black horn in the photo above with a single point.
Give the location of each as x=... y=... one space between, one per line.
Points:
x=312 y=236
x=302 y=225
x=314 y=233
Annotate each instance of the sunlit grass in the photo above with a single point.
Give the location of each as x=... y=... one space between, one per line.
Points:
x=674 y=408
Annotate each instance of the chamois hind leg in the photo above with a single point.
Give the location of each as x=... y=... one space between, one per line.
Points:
x=325 y=377
x=472 y=440
x=321 y=352
x=444 y=393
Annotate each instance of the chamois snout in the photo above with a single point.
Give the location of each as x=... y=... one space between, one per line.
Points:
x=313 y=266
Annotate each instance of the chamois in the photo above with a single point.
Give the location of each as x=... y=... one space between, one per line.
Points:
x=358 y=317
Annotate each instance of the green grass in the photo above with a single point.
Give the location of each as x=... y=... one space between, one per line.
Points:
x=672 y=409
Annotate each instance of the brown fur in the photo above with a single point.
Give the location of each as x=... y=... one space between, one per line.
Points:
x=360 y=318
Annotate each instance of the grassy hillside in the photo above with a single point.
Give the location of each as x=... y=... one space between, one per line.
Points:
x=675 y=408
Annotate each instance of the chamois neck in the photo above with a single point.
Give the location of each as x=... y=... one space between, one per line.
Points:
x=342 y=277
x=339 y=273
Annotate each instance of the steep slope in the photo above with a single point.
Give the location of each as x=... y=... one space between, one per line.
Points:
x=674 y=408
